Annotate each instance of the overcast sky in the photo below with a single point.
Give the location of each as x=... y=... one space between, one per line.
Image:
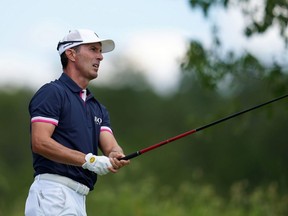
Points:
x=153 y=34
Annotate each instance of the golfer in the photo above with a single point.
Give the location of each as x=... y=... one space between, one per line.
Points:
x=68 y=126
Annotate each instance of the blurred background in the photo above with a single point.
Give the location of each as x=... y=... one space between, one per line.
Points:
x=177 y=65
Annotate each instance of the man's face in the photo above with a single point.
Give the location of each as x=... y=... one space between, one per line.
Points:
x=87 y=60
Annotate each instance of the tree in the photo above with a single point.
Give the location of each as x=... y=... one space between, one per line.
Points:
x=262 y=14
x=212 y=68
x=246 y=146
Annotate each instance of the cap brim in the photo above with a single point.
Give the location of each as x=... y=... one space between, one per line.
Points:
x=107 y=45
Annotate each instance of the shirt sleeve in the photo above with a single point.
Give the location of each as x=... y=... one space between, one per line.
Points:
x=106 y=126
x=45 y=106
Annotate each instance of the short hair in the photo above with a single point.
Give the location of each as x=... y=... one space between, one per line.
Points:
x=64 y=59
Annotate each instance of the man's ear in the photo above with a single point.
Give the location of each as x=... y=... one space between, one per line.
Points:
x=71 y=54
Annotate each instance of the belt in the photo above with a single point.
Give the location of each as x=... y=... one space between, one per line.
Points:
x=74 y=185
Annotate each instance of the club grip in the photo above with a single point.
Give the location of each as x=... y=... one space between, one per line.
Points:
x=130 y=156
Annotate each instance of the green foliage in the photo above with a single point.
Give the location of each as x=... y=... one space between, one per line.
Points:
x=15 y=164
x=217 y=70
x=197 y=174
x=148 y=197
x=260 y=17
x=229 y=73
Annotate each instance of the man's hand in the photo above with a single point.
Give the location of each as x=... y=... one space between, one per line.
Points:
x=116 y=163
x=97 y=164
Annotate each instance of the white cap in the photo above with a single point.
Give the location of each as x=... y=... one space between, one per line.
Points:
x=83 y=36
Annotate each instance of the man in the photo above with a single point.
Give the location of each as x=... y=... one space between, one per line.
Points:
x=68 y=125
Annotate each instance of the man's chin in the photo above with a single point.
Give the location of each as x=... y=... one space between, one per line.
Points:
x=94 y=75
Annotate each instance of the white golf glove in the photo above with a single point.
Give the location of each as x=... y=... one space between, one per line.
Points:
x=97 y=164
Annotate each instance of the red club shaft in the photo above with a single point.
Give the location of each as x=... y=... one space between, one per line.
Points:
x=142 y=151
x=167 y=141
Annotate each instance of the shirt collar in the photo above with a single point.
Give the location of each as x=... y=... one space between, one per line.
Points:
x=72 y=85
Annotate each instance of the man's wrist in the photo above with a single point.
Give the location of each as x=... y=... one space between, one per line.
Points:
x=117 y=149
x=121 y=152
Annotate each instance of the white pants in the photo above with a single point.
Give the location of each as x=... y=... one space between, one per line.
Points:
x=48 y=198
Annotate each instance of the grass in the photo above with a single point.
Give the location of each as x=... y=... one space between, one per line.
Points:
x=149 y=198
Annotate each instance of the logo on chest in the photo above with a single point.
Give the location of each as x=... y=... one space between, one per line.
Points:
x=97 y=120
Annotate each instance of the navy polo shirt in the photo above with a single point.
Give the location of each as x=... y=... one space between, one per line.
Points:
x=78 y=125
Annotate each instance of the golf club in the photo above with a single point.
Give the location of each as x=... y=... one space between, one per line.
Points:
x=142 y=151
